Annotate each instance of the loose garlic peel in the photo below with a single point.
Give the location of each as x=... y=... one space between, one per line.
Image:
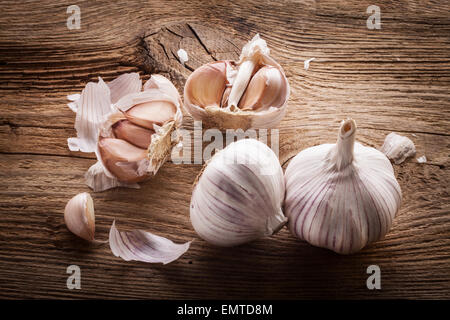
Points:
x=341 y=196
x=239 y=195
x=133 y=135
x=250 y=93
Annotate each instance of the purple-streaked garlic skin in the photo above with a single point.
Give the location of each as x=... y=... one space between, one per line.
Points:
x=250 y=93
x=139 y=245
x=341 y=196
x=239 y=195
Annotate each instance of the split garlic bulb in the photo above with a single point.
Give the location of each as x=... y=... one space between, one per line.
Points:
x=341 y=196
x=129 y=127
x=239 y=195
x=250 y=93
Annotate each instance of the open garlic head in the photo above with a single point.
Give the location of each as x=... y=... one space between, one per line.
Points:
x=239 y=195
x=250 y=93
x=341 y=196
x=131 y=129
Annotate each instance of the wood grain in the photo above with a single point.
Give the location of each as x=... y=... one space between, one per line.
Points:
x=393 y=79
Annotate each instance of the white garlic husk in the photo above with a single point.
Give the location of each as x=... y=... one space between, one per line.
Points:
x=250 y=93
x=239 y=195
x=341 y=196
x=131 y=128
x=79 y=216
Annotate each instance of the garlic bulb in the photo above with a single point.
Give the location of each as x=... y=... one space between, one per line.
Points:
x=130 y=129
x=79 y=216
x=341 y=196
x=250 y=93
x=239 y=195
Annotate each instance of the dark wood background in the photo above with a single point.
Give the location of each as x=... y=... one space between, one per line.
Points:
x=393 y=79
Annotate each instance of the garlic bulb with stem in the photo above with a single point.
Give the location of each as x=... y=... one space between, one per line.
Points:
x=131 y=129
x=79 y=216
x=239 y=195
x=341 y=196
x=250 y=93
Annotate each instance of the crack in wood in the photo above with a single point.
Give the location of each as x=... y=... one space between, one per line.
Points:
x=200 y=41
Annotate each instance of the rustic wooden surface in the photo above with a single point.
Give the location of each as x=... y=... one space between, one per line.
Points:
x=393 y=79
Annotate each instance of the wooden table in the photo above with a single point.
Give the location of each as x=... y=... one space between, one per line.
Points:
x=396 y=78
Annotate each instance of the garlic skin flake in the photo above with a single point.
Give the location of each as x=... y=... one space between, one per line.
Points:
x=341 y=196
x=249 y=93
x=128 y=126
x=398 y=148
x=239 y=195
x=139 y=245
x=79 y=216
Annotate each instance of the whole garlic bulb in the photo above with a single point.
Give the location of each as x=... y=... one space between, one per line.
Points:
x=341 y=196
x=239 y=195
x=250 y=93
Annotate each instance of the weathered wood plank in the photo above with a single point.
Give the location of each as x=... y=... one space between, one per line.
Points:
x=393 y=79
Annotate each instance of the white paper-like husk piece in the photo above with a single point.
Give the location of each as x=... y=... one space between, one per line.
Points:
x=341 y=196
x=93 y=107
x=139 y=245
x=398 y=148
x=124 y=84
x=422 y=159
x=182 y=54
x=306 y=63
x=99 y=179
x=239 y=195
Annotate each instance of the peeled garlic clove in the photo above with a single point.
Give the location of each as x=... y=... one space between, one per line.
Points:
x=136 y=135
x=79 y=216
x=250 y=93
x=341 y=196
x=398 y=148
x=205 y=86
x=267 y=88
x=150 y=113
x=122 y=159
x=239 y=195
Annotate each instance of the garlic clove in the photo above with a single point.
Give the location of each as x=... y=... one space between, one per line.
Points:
x=79 y=216
x=206 y=85
x=136 y=135
x=267 y=88
x=122 y=159
x=341 y=196
x=149 y=113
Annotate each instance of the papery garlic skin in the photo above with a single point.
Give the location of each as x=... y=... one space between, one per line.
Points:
x=79 y=216
x=398 y=148
x=250 y=93
x=341 y=196
x=239 y=195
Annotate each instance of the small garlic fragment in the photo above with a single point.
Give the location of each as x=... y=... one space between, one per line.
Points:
x=182 y=54
x=341 y=196
x=79 y=216
x=239 y=195
x=422 y=159
x=250 y=93
x=398 y=148
x=307 y=62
